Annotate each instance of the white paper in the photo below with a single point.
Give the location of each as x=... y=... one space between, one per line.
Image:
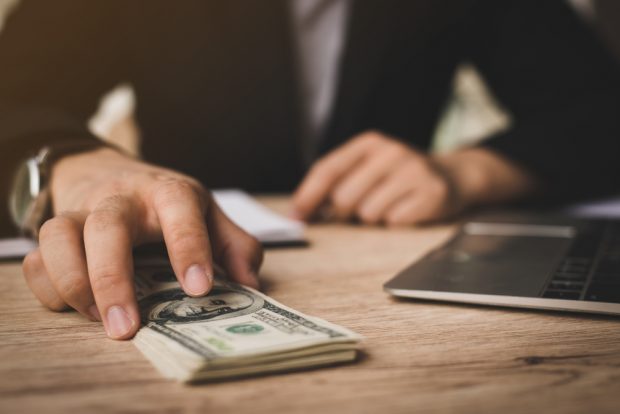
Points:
x=16 y=248
x=261 y=222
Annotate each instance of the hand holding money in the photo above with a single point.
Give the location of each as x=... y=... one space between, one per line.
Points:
x=106 y=204
x=233 y=331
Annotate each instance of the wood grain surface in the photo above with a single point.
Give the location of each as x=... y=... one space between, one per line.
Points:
x=417 y=356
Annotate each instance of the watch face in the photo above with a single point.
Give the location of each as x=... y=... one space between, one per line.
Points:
x=26 y=188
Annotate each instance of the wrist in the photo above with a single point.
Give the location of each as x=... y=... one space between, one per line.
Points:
x=480 y=176
x=29 y=201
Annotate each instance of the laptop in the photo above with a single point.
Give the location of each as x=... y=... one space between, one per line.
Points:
x=522 y=260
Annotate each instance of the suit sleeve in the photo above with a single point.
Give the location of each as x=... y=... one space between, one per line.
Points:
x=57 y=59
x=562 y=89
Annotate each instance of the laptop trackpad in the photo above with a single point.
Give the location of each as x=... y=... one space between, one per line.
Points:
x=489 y=264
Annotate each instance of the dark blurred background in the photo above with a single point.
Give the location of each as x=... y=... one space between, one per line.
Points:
x=470 y=114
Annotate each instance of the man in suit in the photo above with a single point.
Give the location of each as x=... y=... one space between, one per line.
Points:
x=251 y=94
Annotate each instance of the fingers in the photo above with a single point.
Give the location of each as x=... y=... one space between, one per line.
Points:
x=325 y=174
x=373 y=208
x=108 y=237
x=378 y=179
x=62 y=250
x=368 y=175
x=87 y=259
x=408 y=211
x=180 y=210
x=39 y=283
x=367 y=178
x=239 y=253
x=430 y=202
x=409 y=177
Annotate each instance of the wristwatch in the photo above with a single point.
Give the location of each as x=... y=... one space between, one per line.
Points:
x=29 y=199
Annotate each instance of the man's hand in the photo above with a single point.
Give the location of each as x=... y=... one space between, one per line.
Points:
x=377 y=179
x=105 y=204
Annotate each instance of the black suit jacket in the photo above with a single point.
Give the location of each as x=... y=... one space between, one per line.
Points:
x=217 y=93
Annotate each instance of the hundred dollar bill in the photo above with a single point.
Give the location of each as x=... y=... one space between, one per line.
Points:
x=233 y=331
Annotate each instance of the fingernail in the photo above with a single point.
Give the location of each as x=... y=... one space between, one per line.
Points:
x=197 y=282
x=94 y=313
x=119 y=323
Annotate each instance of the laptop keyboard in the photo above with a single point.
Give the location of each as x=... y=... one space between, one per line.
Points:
x=591 y=269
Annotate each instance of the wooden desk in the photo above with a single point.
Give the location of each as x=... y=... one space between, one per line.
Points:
x=418 y=356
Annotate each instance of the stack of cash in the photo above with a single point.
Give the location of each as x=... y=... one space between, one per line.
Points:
x=233 y=331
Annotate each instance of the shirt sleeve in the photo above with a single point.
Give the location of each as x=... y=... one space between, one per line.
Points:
x=562 y=88
x=58 y=58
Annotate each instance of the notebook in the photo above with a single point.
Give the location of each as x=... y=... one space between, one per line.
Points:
x=267 y=226
x=15 y=248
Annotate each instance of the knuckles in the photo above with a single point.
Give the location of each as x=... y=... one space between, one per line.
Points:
x=323 y=169
x=114 y=186
x=34 y=270
x=376 y=140
x=342 y=202
x=56 y=226
x=32 y=264
x=50 y=227
x=106 y=216
x=169 y=190
x=106 y=279
x=185 y=239
x=372 y=137
x=106 y=191
x=368 y=216
x=73 y=286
